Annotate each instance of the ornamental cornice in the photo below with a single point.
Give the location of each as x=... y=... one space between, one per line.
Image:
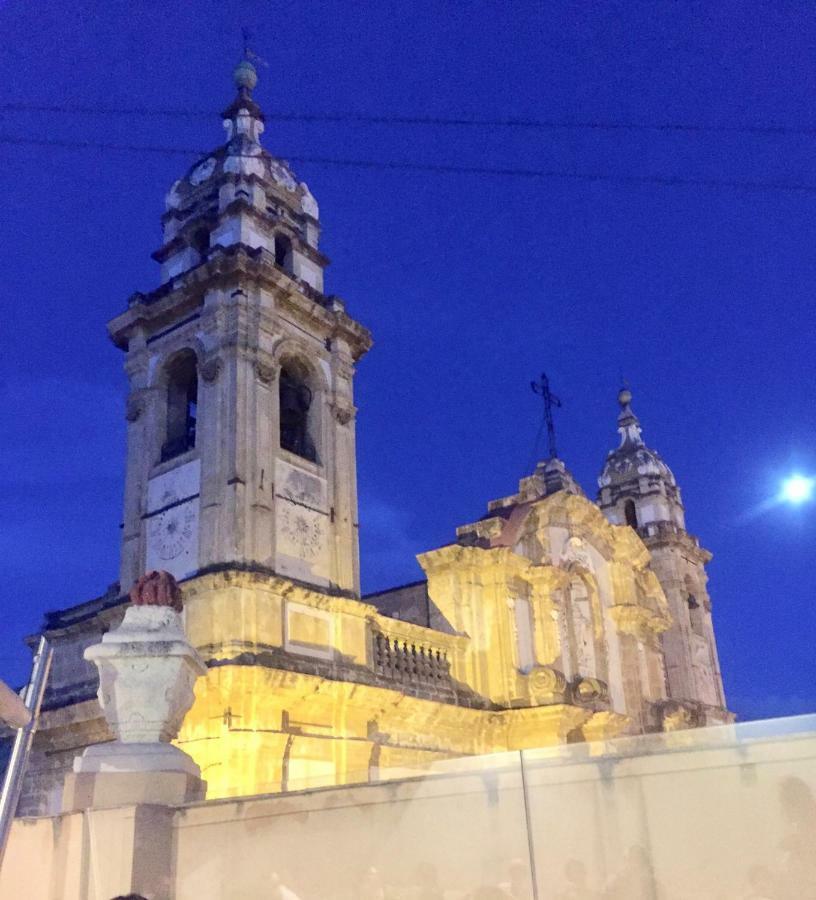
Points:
x=481 y=532
x=230 y=266
x=237 y=266
x=638 y=621
x=536 y=726
x=547 y=578
x=679 y=538
x=464 y=560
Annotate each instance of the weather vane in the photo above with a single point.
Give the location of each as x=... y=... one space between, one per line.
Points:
x=246 y=36
x=542 y=388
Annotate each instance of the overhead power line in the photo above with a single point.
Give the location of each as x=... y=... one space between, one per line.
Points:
x=440 y=168
x=438 y=121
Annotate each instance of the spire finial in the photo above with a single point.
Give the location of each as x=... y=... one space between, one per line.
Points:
x=628 y=423
x=624 y=394
x=245 y=74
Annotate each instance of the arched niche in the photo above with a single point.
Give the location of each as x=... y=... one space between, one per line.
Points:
x=179 y=380
x=584 y=639
x=300 y=405
x=282 y=249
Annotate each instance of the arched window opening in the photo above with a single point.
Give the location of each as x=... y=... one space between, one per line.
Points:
x=201 y=241
x=295 y=403
x=182 y=406
x=630 y=513
x=283 y=252
x=695 y=608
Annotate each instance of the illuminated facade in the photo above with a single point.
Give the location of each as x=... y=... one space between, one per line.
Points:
x=552 y=619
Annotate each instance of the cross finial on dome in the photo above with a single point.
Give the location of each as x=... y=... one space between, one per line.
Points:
x=245 y=75
x=243 y=116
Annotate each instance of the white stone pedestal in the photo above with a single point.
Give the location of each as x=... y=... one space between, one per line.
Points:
x=147 y=671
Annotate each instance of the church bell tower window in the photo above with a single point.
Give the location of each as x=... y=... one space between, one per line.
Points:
x=296 y=412
x=201 y=242
x=630 y=513
x=182 y=406
x=696 y=611
x=283 y=252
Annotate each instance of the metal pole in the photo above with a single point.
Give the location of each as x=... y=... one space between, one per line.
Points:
x=13 y=782
x=529 y=824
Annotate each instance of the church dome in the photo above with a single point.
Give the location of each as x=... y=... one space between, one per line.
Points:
x=632 y=459
x=242 y=155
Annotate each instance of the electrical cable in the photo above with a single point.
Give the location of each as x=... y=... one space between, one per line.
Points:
x=441 y=168
x=438 y=121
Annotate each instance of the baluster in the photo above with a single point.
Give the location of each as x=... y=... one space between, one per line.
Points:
x=402 y=658
x=414 y=663
x=394 y=663
x=423 y=664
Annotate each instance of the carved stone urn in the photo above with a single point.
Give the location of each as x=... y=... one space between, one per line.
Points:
x=147 y=671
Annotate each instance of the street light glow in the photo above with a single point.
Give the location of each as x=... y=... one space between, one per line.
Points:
x=797 y=489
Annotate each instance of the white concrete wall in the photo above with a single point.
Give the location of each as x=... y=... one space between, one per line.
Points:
x=727 y=812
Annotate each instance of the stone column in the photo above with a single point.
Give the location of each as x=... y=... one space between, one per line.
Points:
x=147 y=670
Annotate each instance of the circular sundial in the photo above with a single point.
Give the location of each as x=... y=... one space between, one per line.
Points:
x=172 y=531
x=304 y=531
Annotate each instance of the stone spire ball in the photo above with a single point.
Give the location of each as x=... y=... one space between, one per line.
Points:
x=624 y=396
x=245 y=76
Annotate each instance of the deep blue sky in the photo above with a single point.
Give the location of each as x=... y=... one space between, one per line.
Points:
x=471 y=285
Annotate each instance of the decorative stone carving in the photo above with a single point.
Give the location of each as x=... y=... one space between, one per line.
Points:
x=266 y=373
x=590 y=690
x=147 y=670
x=546 y=685
x=576 y=551
x=211 y=369
x=638 y=621
x=343 y=412
x=345 y=369
x=677 y=716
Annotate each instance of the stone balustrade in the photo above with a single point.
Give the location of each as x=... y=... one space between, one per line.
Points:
x=409 y=661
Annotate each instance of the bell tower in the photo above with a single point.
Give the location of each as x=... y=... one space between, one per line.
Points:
x=638 y=489
x=241 y=431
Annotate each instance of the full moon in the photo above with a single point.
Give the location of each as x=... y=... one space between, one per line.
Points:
x=797 y=489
